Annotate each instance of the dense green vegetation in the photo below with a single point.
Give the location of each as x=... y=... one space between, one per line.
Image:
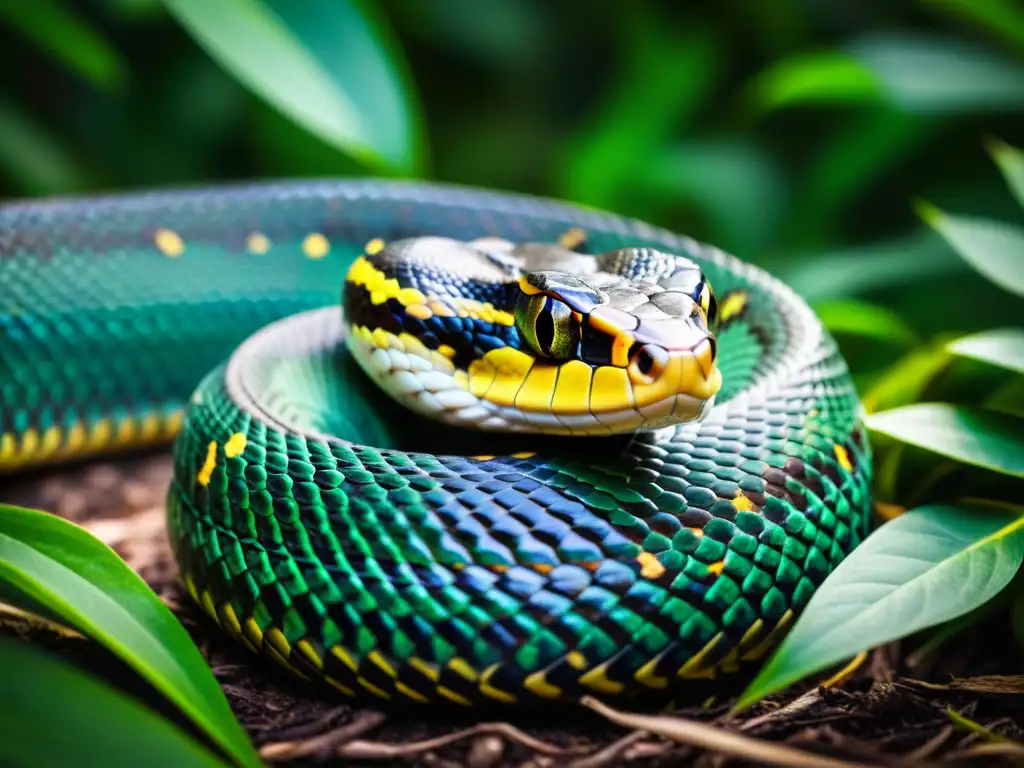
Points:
x=865 y=152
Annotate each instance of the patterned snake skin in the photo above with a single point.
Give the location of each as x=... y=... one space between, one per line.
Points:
x=354 y=542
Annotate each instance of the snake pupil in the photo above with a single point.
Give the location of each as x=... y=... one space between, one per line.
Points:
x=545 y=329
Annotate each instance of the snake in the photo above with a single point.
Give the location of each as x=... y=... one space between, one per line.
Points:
x=438 y=444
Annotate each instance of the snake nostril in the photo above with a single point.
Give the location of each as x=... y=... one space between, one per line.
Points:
x=644 y=362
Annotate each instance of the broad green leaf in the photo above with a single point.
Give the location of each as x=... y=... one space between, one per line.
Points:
x=60 y=31
x=822 y=76
x=81 y=580
x=321 y=62
x=906 y=380
x=736 y=185
x=941 y=75
x=57 y=715
x=862 y=268
x=862 y=318
x=915 y=73
x=1011 y=163
x=923 y=568
x=975 y=437
x=993 y=248
x=1003 y=347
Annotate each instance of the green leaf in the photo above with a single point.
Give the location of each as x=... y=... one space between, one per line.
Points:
x=63 y=34
x=993 y=248
x=64 y=716
x=1011 y=162
x=817 y=77
x=915 y=73
x=862 y=318
x=975 y=437
x=321 y=62
x=863 y=268
x=941 y=75
x=923 y=568
x=665 y=78
x=1003 y=347
x=81 y=580
x=906 y=380
x=736 y=185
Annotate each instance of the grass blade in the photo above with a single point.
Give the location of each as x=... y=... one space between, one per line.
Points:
x=979 y=438
x=83 y=582
x=1003 y=347
x=321 y=62
x=926 y=567
x=99 y=725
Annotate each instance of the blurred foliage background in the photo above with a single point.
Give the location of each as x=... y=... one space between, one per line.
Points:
x=794 y=133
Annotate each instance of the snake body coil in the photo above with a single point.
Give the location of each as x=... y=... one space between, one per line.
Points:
x=359 y=542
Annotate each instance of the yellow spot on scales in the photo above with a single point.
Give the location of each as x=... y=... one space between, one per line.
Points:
x=8 y=448
x=716 y=567
x=576 y=659
x=405 y=690
x=257 y=243
x=169 y=243
x=315 y=246
x=203 y=478
x=374 y=247
x=742 y=503
x=376 y=658
x=572 y=238
x=427 y=669
x=537 y=682
x=29 y=442
x=650 y=566
x=843 y=457
x=646 y=674
x=345 y=657
x=490 y=691
x=373 y=688
x=597 y=679
x=732 y=305
x=462 y=668
x=235 y=445
x=451 y=695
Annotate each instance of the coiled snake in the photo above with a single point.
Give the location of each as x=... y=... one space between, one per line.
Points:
x=509 y=470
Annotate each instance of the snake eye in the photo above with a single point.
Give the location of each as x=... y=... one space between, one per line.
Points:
x=547 y=325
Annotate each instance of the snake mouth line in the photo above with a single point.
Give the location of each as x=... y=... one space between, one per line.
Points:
x=429 y=384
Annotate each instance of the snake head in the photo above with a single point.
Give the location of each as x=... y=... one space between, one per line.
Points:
x=575 y=345
x=628 y=354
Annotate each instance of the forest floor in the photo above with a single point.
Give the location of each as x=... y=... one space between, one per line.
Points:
x=961 y=704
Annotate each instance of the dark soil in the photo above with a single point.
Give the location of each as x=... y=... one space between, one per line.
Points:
x=893 y=710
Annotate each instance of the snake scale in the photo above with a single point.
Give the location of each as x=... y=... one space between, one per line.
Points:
x=545 y=450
